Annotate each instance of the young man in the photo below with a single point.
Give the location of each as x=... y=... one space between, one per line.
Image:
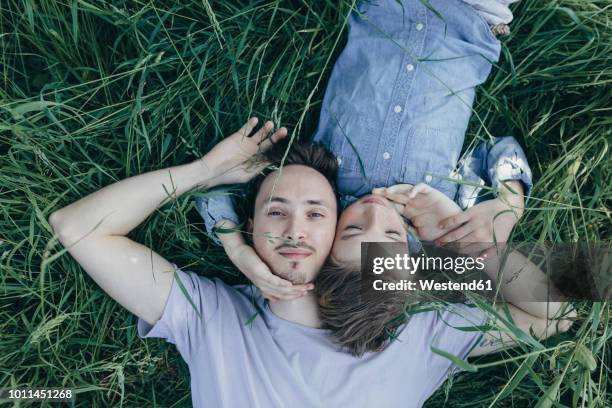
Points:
x=94 y=228
x=206 y=318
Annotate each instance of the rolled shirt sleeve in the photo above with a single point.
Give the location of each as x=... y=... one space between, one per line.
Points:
x=493 y=11
x=492 y=164
x=506 y=161
x=216 y=207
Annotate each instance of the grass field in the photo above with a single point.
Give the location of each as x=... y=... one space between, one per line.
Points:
x=91 y=93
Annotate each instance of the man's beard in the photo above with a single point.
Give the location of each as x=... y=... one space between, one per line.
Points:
x=294 y=276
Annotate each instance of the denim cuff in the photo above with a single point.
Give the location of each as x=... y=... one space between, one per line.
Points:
x=214 y=208
x=490 y=164
x=507 y=162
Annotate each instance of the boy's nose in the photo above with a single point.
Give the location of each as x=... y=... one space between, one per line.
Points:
x=374 y=214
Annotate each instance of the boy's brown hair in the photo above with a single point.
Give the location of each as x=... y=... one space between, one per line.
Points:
x=360 y=320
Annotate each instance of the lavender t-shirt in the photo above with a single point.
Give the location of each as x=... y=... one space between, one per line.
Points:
x=240 y=354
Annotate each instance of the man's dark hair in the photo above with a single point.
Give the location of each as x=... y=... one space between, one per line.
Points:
x=360 y=321
x=313 y=155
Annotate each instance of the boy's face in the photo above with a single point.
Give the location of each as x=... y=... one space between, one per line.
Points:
x=294 y=222
x=370 y=219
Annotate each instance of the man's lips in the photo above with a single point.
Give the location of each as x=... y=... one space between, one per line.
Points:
x=294 y=253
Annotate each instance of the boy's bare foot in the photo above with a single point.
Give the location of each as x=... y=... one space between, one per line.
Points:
x=423 y=205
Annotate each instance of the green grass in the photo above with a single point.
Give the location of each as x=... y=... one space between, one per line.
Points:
x=92 y=93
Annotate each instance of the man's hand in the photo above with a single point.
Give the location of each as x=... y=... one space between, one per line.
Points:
x=233 y=159
x=489 y=221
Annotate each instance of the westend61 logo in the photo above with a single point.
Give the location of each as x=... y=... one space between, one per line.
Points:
x=546 y=271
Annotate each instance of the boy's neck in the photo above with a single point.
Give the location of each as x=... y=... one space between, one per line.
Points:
x=303 y=310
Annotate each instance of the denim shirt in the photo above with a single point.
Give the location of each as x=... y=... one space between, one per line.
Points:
x=398 y=103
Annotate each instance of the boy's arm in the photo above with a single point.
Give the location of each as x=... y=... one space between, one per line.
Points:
x=488 y=221
x=491 y=164
x=423 y=205
x=506 y=161
x=94 y=228
x=503 y=166
x=520 y=277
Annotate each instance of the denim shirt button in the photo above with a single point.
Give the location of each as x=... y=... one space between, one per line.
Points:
x=397 y=109
x=409 y=67
x=428 y=178
x=339 y=160
x=419 y=26
x=386 y=155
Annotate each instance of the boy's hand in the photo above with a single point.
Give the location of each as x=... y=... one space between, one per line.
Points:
x=487 y=220
x=272 y=287
x=480 y=223
x=231 y=160
x=423 y=205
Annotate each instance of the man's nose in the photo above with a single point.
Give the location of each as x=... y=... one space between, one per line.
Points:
x=295 y=229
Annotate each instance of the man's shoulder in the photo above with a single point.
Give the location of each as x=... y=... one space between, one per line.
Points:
x=237 y=295
x=241 y=292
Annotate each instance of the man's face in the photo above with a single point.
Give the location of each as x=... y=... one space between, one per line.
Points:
x=294 y=222
x=370 y=219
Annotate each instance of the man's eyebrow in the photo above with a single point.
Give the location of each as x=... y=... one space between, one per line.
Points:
x=315 y=202
x=279 y=200
x=287 y=201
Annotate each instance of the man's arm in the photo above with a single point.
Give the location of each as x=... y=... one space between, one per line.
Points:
x=93 y=228
x=523 y=283
x=520 y=279
x=494 y=341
